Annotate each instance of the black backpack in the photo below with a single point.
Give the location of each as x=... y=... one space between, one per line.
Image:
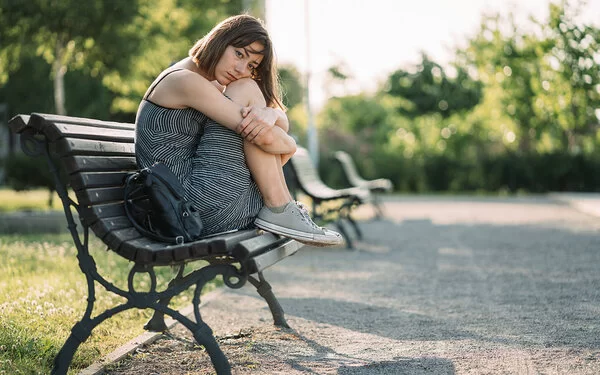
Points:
x=155 y=204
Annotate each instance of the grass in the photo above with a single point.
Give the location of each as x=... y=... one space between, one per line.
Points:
x=44 y=294
x=11 y=200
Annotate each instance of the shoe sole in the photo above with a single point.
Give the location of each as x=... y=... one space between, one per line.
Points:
x=303 y=237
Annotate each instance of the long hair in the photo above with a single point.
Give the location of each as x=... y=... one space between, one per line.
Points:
x=241 y=31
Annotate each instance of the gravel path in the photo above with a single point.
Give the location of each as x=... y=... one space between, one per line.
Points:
x=442 y=286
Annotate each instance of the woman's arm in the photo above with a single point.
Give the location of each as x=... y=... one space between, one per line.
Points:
x=188 y=89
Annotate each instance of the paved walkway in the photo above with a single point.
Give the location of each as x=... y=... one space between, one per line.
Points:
x=444 y=285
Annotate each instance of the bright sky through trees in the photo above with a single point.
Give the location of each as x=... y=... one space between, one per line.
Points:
x=372 y=38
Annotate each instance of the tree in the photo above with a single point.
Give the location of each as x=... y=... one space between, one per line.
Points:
x=291 y=84
x=428 y=89
x=94 y=34
x=547 y=80
x=169 y=28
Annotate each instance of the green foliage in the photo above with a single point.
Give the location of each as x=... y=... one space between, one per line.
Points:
x=23 y=173
x=110 y=51
x=85 y=95
x=292 y=87
x=428 y=89
x=519 y=114
x=168 y=29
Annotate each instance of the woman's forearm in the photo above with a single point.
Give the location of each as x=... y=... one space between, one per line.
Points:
x=276 y=141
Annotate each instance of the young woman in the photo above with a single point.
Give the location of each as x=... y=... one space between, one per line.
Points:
x=216 y=120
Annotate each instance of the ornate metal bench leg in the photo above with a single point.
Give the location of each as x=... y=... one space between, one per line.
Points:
x=204 y=336
x=157 y=322
x=340 y=226
x=378 y=206
x=355 y=226
x=265 y=291
x=79 y=333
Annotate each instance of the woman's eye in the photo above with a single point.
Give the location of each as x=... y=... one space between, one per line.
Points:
x=238 y=54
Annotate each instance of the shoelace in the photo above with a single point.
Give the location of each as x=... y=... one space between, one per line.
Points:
x=305 y=215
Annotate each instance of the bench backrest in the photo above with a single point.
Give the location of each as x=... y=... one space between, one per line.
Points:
x=349 y=168
x=306 y=177
x=97 y=156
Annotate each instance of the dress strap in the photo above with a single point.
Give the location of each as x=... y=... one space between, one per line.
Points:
x=157 y=82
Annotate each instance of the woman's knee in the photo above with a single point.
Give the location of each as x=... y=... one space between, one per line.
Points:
x=246 y=92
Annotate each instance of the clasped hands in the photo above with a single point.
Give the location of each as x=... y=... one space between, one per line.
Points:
x=257 y=124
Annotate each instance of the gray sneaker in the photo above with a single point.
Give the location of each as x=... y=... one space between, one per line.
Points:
x=294 y=222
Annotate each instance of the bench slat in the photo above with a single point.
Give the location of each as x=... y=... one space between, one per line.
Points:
x=51 y=118
x=254 y=246
x=115 y=239
x=75 y=164
x=90 y=180
x=76 y=146
x=267 y=259
x=100 y=195
x=103 y=226
x=18 y=123
x=98 y=132
x=91 y=214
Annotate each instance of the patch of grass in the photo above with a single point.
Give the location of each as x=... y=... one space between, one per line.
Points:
x=44 y=294
x=11 y=200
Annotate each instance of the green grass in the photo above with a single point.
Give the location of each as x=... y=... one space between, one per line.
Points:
x=11 y=200
x=44 y=293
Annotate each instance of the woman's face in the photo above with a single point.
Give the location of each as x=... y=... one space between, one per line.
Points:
x=238 y=62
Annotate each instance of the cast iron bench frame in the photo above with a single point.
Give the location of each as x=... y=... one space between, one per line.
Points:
x=375 y=186
x=302 y=174
x=96 y=156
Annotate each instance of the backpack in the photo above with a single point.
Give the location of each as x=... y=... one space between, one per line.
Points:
x=157 y=208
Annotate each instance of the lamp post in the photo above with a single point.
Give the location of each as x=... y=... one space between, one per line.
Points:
x=313 y=141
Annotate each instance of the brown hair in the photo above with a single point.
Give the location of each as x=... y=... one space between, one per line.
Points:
x=241 y=31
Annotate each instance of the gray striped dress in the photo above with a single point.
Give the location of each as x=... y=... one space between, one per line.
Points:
x=208 y=159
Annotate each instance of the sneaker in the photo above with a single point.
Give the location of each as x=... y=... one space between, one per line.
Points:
x=294 y=222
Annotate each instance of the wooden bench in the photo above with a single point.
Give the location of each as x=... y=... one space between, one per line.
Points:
x=96 y=156
x=375 y=186
x=328 y=204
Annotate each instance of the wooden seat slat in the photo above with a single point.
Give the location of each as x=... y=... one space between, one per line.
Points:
x=103 y=226
x=76 y=146
x=58 y=119
x=91 y=214
x=90 y=180
x=256 y=245
x=100 y=195
x=77 y=131
x=266 y=259
x=74 y=164
x=115 y=239
x=18 y=123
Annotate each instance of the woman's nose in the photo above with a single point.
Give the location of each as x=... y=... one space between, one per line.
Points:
x=241 y=67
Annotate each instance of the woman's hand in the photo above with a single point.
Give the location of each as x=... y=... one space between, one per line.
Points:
x=256 y=121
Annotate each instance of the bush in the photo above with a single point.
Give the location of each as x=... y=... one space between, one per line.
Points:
x=23 y=172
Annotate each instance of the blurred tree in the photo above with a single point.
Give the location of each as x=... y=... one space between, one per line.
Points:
x=67 y=34
x=568 y=92
x=547 y=81
x=169 y=29
x=429 y=89
x=291 y=84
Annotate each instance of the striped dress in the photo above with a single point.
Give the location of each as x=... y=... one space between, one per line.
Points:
x=208 y=159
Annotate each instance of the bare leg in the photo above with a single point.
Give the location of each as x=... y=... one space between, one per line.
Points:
x=266 y=168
